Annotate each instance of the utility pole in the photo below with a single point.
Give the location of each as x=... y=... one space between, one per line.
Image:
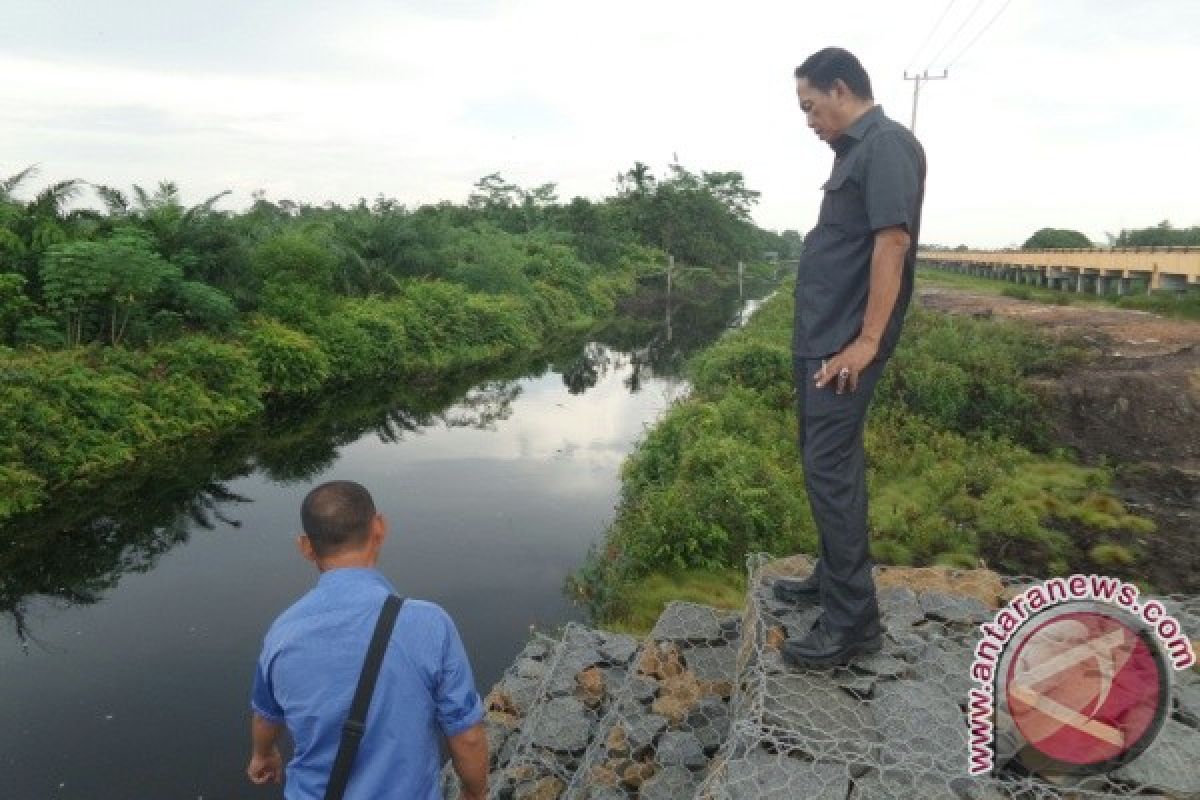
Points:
x=741 y=270
x=917 y=78
x=670 y=270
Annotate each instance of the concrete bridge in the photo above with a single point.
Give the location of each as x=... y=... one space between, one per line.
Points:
x=1117 y=270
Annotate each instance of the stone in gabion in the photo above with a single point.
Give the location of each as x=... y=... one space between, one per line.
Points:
x=688 y=623
x=682 y=749
x=562 y=726
x=1170 y=764
x=671 y=783
x=760 y=775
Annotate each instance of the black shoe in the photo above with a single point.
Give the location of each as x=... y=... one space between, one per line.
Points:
x=826 y=647
x=806 y=591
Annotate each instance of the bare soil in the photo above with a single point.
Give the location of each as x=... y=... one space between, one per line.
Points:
x=1133 y=403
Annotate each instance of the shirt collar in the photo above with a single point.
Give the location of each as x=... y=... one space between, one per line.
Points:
x=346 y=576
x=858 y=129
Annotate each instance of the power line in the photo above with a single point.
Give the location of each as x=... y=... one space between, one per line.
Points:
x=982 y=31
x=932 y=31
x=954 y=35
x=917 y=80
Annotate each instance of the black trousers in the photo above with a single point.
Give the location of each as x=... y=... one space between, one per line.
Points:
x=835 y=476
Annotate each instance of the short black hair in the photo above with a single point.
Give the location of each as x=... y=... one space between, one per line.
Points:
x=337 y=514
x=824 y=67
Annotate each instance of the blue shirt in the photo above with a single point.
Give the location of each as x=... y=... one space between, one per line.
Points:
x=308 y=670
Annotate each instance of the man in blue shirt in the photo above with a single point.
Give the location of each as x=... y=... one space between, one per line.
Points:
x=313 y=654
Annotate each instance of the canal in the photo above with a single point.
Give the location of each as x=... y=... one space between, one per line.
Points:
x=131 y=614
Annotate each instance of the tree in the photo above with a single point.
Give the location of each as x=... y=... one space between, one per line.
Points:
x=1161 y=235
x=114 y=278
x=1056 y=238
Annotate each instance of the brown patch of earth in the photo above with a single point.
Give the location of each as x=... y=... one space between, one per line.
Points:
x=1132 y=403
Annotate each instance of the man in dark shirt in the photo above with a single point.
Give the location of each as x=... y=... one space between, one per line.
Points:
x=853 y=287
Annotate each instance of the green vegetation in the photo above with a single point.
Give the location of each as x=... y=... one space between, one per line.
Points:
x=960 y=469
x=129 y=329
x=1054 y=238
x=1164 y=234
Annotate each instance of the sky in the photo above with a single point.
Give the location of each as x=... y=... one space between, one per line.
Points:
x=1060 y=113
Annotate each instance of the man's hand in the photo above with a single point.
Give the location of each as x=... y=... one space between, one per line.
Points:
x=266 y=767
x=469 y=752
x=845 y=367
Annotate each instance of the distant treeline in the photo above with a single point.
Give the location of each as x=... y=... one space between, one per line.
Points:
x=149 y=320
x=1161 y=235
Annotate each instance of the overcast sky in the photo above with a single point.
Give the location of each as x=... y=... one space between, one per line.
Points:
x=1064 y=113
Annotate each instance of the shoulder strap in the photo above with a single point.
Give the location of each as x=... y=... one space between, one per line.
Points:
x=356 y=721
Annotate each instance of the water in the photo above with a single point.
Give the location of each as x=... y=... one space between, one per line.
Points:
x=131 y=615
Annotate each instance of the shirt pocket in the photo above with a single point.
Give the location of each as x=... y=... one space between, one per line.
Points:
x=843 y=206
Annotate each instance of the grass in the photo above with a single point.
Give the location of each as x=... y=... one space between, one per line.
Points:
x=1167 y=304
x=647 y=597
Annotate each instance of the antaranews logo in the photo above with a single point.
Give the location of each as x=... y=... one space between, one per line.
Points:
x=1073 y=676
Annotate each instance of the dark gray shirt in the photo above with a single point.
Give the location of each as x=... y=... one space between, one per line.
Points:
x=878 y=181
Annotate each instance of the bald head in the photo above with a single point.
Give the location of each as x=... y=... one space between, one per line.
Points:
x=337 y=516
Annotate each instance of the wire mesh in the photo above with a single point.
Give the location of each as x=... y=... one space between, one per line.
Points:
x=706 y=708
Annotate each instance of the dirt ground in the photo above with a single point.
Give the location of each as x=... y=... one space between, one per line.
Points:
x=1133 y=403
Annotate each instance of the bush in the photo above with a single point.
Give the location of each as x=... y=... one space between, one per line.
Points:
x=753 y=364
x=289 y=362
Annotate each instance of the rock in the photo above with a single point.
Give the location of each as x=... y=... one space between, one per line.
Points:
x=1169 y=764
x=954 y=608
x=591 y=687
x=881 y=664
x=603 y=775
x=901 y=784
x=677 y=697
x=905 y=644
x=776 y=636
x=858 y=684
x=497 y=736
x=671 y=783
x=980 y=584
x=947 y=666
x=716 y=663
x=530 y=668
x=521 y=693
x=760 y=775
x=731 y=626
x=562 y=726
x=547 y=788
x=503 y=719
x=642 y=689
x=635 y=773
x=899 y=608
x=1187 y=703
x=709 y=721
x=919 y=724
x=682 y=749
x=617 y=648
x=603 y=793
x=660 y=661
x=616 y=743
x=810 y=712
x=507 y=751
x=799 y=623
x=642 y=732
x=687 y=622
x=537 y=649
